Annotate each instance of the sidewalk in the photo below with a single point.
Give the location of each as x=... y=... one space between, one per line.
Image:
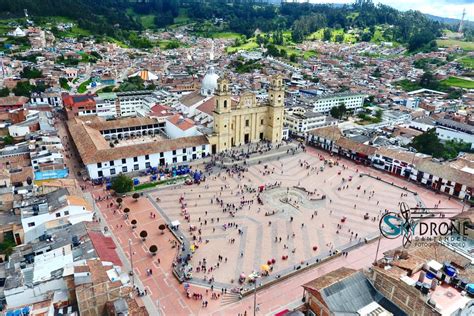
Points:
x=146 y=300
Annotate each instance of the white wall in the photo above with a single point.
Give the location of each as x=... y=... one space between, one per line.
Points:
x=142 y=163
x=76 y=214
x=351 y=102
x=24 y=295
x=451 y=134
x=18 y=131
x=174 y=131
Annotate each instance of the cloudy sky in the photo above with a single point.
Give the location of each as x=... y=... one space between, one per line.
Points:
x=444 y=8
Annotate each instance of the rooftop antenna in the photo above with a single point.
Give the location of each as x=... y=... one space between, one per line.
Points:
x=461 y=24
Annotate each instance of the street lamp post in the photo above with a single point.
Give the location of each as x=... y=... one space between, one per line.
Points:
x=255 y=276
x=131 y=261
x=255 y=298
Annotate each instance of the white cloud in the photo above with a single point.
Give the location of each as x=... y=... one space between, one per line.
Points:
x=443 y=8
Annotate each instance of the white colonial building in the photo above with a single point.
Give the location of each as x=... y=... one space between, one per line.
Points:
x=300 y=120
x=108 y=148
x=324 y=103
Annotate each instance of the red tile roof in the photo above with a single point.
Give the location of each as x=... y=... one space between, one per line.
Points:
x=208 y=106
x=160 y=110
x=84 y=100
x=105 y=248
x=180 y=122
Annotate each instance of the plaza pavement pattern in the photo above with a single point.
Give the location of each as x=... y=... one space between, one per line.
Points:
x=257 y=243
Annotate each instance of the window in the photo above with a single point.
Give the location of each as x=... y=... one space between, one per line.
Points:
x=66 y=213
x=100 y=173
x=162 y=155
x=32 y=224
x=112 y=171
x=194 y=148
x=185 y=158
x=225 y=104
x=124 y=169
x=124 y=160
x=135 y=159
x=184 y=150
x=58 y=214
x=112 y=162
x=247 y=123
x=99 y=165
x=147 y=165
x=261 y=122
x=147 y=157
x=203 y=147
x=174 y=152
x=135 y=167
x=175 y=160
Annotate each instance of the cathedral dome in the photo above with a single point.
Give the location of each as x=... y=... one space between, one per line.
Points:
x=209 y=82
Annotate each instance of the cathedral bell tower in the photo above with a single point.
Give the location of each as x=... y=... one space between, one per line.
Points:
x=222 y=114
x=276 y=95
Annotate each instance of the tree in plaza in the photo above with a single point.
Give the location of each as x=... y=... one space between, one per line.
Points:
x=162 y=228
x=119 y=201
x=428 y=143
x=136 y=195
x=126 y=210
x=143 y=234
x=153 y=250
x=134 y=223
x=122 y=184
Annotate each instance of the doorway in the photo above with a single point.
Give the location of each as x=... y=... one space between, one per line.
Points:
x=247 y=138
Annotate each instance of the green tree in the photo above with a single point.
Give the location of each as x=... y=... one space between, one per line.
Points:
x=327 y=34
x=172 y=45
x=339 y=38
x=31 y=73
x=122 y=184
x=272 y=50
x=23 y=88
x=4 y=92
x=293 y=58
x=428 y=143
x=338 y=111
x=8 y=140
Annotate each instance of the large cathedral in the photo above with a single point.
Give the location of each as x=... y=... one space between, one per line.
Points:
x=235 y=120
x=247 y=121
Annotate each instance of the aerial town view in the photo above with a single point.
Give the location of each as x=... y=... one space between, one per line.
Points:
x=237 y=157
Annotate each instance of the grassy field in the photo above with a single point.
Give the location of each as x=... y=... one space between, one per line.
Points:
x=83 y=86
x=469 y=46
x=467 y=62
x=250 y=45
x=459 y=82
x=226 y=35
x=148 y=21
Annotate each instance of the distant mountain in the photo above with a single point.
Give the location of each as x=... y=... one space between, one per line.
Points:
x=448 y=20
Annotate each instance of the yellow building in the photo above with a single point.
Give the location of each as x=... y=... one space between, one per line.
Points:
x=247 y=121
